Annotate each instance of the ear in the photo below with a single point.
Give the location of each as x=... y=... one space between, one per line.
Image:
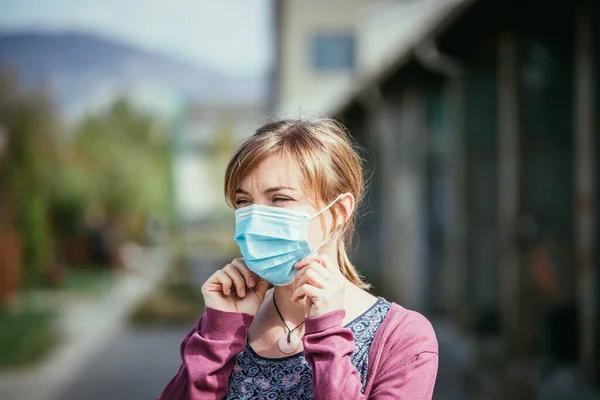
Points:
x=348 y=204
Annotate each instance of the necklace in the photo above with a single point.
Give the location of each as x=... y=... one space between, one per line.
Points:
x=288 y=343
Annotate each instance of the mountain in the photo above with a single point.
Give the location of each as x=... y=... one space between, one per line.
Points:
x=79 y=68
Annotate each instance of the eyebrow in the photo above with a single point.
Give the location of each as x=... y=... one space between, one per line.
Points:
x=270 y=190
x=278 y=188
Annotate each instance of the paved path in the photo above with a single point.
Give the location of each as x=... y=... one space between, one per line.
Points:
x=85 y=327
x=136 y=365
x=454 y=353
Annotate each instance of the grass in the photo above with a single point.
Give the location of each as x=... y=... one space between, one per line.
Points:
x=176 y=301
x=27 y=330
x=75 y=279
x=26 y=336
x=88 y=280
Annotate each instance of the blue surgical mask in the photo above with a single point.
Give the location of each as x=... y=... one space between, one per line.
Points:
x=273 y=239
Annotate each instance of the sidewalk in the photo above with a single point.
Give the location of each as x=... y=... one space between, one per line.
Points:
x=457 y=356
x=85 y=325
x=456 y=351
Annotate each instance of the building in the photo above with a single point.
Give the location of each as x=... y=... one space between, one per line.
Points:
x=320 y=58
x=483 y=119
x=316 y=45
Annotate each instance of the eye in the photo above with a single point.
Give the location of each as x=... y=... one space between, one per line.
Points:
x=280 y=199
x=240 y=202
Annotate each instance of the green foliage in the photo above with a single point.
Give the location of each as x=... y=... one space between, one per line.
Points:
x=26 y=168
x=117 y=163
x=36 y=251
x=114 y=164
x=26 y=336
x=125 y=154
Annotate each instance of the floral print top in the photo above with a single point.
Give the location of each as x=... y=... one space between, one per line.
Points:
x=256 y=377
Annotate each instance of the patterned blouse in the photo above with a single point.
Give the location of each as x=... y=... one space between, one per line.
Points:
x=256 y=377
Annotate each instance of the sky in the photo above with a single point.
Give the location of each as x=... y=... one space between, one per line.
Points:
x=230 y=36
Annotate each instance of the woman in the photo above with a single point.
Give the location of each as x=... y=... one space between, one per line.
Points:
x=318 y=333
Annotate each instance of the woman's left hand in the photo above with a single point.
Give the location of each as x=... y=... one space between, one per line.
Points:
x=321 y=283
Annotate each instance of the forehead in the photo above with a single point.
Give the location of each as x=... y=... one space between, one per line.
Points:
x=274 y=171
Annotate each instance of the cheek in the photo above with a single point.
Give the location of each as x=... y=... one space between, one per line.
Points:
x=317 y=230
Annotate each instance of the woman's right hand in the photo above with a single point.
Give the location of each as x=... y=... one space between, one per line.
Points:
x=235 y=289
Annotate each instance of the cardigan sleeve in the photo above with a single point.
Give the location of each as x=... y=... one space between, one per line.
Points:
x=327 y=349
x=207 y=354
x=407 y=369
x=409 y=360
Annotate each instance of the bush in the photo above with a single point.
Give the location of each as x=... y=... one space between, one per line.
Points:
x=26 y=336
x=177 y=300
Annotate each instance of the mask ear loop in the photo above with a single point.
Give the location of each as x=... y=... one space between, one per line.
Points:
x=319 y=213
x=328 y=207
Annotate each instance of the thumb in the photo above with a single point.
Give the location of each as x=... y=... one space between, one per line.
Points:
x=261 y=287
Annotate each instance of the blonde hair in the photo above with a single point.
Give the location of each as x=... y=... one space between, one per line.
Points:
x=327 y=160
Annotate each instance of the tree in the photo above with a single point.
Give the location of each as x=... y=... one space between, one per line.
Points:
x=26 y=166
x=115 y=172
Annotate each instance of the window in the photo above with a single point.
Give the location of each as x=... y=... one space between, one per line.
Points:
x=333 y=51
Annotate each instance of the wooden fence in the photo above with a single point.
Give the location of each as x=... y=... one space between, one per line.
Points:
x=10 y=264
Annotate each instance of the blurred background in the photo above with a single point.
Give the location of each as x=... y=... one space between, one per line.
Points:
x=480 y=121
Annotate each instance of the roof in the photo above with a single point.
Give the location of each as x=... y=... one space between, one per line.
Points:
x=412 y=24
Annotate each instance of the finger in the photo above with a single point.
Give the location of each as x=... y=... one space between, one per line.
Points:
x=300 y=278
x=321 y=259
x=318 y=268
x=225 y=281
x=237 y=278
x=313 y=278
x=303 y=262
x=249 y=276
x=306 y=290
x=326 y=262
x=261 y=287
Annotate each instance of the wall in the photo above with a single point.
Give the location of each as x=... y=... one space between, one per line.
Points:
x=301 y=88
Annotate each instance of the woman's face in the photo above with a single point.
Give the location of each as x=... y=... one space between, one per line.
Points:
x=276 y=183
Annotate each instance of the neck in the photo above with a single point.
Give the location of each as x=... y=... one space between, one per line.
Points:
x=292 y=313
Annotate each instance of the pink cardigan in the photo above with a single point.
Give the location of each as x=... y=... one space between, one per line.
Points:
x=403 y=357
